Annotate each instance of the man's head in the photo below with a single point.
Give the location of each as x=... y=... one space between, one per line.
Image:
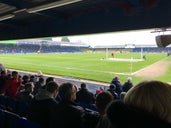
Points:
x=129 y=79
x=83 y=86
x=67 y=91
x=29 y=87
x=52 y=87
x=3 y=73
x=49 y=79
x=41 y=80
x=112 y=87
x=14 y=74
x=25 y=78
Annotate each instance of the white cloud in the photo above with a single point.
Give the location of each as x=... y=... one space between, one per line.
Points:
x=143 y=37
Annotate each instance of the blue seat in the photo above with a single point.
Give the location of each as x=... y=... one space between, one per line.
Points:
x=2 y=119
x=11 y=119
x=24 y=123
x=87 y=106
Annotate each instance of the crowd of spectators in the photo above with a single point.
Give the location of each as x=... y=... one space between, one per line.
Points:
x=51 y=105
x=32 y=48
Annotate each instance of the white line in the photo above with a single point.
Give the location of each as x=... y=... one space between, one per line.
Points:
x=123 y=59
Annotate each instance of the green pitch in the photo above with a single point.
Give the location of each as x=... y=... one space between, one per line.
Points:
x=91 y=66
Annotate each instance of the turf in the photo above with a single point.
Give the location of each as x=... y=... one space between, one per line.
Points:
x=91 y=66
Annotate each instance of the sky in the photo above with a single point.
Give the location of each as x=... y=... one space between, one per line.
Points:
x=137 y=37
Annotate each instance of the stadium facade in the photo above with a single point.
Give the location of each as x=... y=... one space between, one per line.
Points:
x=49 y=46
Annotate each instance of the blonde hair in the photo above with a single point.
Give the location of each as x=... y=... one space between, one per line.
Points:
x=153 y=96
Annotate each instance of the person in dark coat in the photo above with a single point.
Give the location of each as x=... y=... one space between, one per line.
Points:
x=85 y=98
x=67 y=114
x=26 y=95
x=43 y=105
x=84 y=95
x=25 y=79
x=3 y=79
x=115 y=81
x=127 y=85
x=112 y=89
x=39 y=84
x=102 y=101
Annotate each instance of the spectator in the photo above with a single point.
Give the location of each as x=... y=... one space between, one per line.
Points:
x=102 y=100
x=26 y=95
x=3 y=79
x=48 y=79
x=145 y=105
x=127 y=85
x=84 y=97
x=122 y=96
x=111 y=89
x=99 y=91
x=39 y=73
x=33 y=79
x=43 y=105
x=160 y=105
x=39 y=84
x=24 y=99
x=67 y=114
x=25 y=79
x=118 y=85
x=12 y=85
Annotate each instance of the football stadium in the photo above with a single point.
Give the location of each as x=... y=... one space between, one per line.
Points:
x=80 y=61
x=117 y=75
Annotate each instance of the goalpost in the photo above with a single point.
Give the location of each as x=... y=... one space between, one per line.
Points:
x=141 y=52
x=130 y=46
x=107 y=53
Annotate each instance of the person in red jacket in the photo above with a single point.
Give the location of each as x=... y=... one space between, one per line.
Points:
x=12 y=85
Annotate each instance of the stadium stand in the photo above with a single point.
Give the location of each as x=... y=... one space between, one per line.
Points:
x=36 y=18
x=37 y=48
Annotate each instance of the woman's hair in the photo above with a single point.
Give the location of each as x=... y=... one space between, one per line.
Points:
x=153 y=96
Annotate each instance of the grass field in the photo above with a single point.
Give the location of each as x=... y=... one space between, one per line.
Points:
x=91 y=66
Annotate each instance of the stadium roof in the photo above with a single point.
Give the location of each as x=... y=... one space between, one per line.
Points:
x=24 y=19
